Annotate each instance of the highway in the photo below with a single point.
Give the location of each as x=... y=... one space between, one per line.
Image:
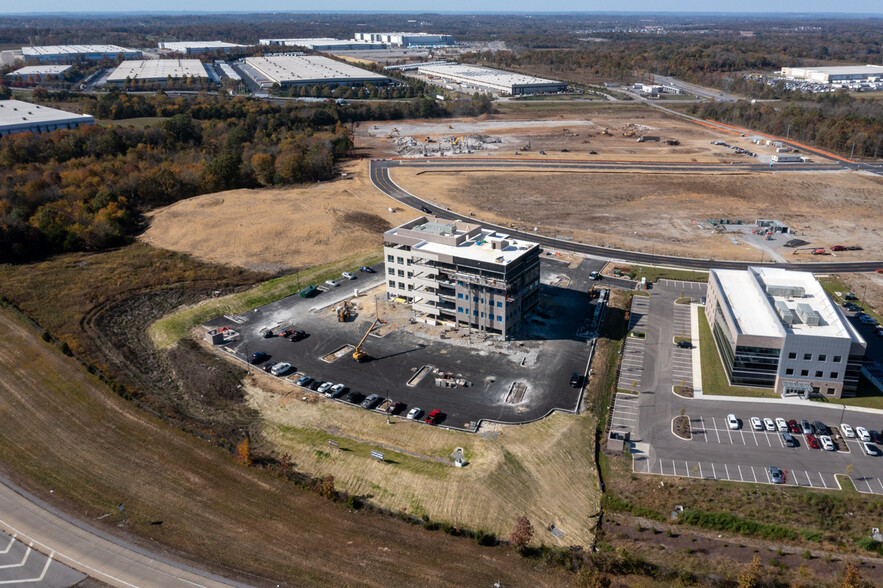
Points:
x=379 y=173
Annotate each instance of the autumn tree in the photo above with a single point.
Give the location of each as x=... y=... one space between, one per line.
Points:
x=750 y=575
x=326 y=488
x=243 y=453
x=522 y=534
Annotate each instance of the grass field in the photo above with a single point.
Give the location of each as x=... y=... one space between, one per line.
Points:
x=653 y=273
x=103 y=451
x=714 y=378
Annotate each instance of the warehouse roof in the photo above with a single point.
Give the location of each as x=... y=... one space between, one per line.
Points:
x=486 y=75
x=41 y=70
x=158 y=69
x=183 y=46
x=305 y=68
x=72 y=50
x=15 y=113
x=842 y=69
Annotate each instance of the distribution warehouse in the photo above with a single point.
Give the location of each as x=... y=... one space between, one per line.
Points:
x=22 y=117
x=308 y=70
x=324 y=44
x=192 y=47
x=833 y=74
x=777 y=328
x=39 y=73
x=406 y=39
x=71 y=53
x=493 y=80
x=157 y=70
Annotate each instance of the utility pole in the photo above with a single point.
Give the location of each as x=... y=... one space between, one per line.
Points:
x=852 y=152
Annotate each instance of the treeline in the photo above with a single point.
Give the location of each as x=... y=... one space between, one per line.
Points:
x=834 y=122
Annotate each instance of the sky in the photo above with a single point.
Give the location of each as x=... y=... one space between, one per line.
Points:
x=647 y=6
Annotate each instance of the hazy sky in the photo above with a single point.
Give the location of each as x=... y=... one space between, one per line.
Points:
x=779 y=6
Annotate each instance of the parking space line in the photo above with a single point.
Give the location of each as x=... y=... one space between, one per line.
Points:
x=700 y=469
x=740 y=473
x=729 y=434
x=686 y=465
x=728 y=472
x=714 y=422
x=704 y=430
x=713 y=472
x=823 y=479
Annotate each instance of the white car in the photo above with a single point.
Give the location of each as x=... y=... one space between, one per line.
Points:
x=769 y=424
x=332 y=283
x=847 y=431
x=826 y=442
x=863 y=434
x=732 y=421
x=871 y=449
x=280 y=368
x=348 y=275
x=324 y=387
x=334 y=390
x=782 y=425
x=756 y=424
x=414 y=413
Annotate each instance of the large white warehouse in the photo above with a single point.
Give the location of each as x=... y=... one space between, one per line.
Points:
x=323 y=44
x=194 y=47
x=157 y=70
x=493 y=80
x=22 y=117
x=833 y=74
x=406 y=39
x=72 y=53
x=308 y=70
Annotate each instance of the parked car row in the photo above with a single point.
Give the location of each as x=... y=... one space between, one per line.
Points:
x=817 y=434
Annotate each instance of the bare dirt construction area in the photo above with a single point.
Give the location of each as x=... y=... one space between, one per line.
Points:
x=569 y=135
x=543 y=470
x=667 y=212
x=276 y=229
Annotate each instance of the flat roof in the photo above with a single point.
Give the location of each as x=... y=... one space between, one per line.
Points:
x=310 y=43
x=479 y=247
x=184 y=45
x=754 y=306
x=15 y=113
x=841 y=69
x=158 y=69
x=42 y=50
x=309 y=68
x=486 y=75
x=36 y=70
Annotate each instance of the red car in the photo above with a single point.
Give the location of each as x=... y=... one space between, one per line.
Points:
x=793 y=427
x=838 y=248
x=812 y=441
x=432 y=417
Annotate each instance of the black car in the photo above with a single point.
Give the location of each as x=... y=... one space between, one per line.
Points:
x=268 y=366
x=258 y=356
x=876 y=437
x=395 y=407
x=426 y=209
x=367 y=270
x=575 y=380
x=296 y=335
x=685 y=345
x=354 y=397
x=821 y=428
x=268 y=334
x=314 y=385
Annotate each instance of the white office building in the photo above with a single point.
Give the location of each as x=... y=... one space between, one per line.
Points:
x=23 y=117
x=777 y=328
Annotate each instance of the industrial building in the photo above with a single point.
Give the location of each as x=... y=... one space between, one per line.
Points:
x=75 y=53
x=157 y=70
x=406 y=39
x=39 y=73
x=777 y=328
x=195 y=47
x=462 y=274
x=323 y=44
x=23 y=117
x=308 y=70
x=835 y=74
x=493 y=80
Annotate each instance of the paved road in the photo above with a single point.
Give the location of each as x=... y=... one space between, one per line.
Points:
x=106 y=558
x=696 y=90
x=379 y=174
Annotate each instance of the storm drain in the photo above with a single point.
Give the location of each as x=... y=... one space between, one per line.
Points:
x=516 y=392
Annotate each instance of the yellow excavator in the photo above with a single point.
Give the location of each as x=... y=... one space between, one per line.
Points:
x=360 y=354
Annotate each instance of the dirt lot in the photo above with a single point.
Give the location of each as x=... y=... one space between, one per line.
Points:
x=276 y=229
x=665 y=213
x=103 y=451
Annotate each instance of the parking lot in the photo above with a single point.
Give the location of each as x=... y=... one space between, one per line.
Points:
x=22 y=565
x=631 y=369
x=508 y=381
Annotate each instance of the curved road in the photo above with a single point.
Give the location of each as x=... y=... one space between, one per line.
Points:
x=379 y=173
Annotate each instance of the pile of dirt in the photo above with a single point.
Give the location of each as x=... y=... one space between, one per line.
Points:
x=446 y=145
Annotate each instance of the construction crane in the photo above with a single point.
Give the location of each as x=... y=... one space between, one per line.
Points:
x=360 y=354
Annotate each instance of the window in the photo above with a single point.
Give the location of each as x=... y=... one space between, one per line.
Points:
x=789 y=372
x=410 y=274
x=482 y=301
x=837 y=359
x=401 y=273
x=410 y=287
x=402 y=285
x=499 y=319
x=460 y=309
x=834 y=375
x=474 y=313
x=491 y=316
x=401 y=260
x=459 y=296
x=807 y=356
x=804 y=372
x=390 y=258
x=466 y=298
x=792 y=355
x=823 y=357
x=818 y=373
x=391 y=272
x=830 y=391
x=499 y=305
x=392 y=284
x=482 y=315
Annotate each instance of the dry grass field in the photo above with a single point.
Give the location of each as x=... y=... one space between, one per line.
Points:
x=543 y=470
x=276 y=229
x=220 y=514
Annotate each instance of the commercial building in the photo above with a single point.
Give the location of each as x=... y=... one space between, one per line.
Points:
x=835 y=74
x=39 y=73
x=308 y=70
x=406 y=39
x=75 y=53
x=157 y=70
x=777 y=328
x=194 y=47
x=493 y=80
x=23 y=117
x=461 y=273
x=323 y=44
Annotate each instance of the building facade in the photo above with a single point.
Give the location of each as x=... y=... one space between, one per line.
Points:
x=406 y=39
x=778 y=329
x=24 y=117
x=461 y=273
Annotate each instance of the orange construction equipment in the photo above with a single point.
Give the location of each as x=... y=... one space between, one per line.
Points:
x=360 y=354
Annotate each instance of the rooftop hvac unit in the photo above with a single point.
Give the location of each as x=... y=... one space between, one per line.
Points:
x=808 y=315
x=784 y=313
x=786 y=291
